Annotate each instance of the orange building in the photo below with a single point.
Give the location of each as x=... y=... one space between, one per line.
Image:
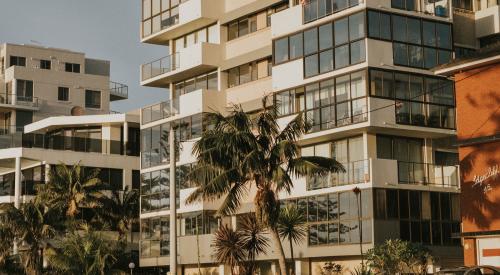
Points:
x=477 y=84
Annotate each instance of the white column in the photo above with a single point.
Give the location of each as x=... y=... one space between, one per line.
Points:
x=173 y=210
x=14 y=92
x=17 y=183
x=125 y=137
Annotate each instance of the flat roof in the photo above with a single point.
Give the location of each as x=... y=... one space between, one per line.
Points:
x=483 y=57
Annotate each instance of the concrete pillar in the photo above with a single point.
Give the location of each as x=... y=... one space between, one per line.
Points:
x=17 y=183
x=14 y=92
x=125 y=137
x=173 y=210
x=290 y=3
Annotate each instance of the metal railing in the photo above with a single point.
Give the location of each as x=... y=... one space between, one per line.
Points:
x=439 y=8
x=160 y=66
x=356 y=172
x=118 y=89
x=160 y=111
x=19 y=100
x=428 y=174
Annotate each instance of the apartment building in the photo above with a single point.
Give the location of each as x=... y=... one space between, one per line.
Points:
x=360 y=71
x=55 y=108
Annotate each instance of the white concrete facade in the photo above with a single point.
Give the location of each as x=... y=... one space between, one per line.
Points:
x=378 y=117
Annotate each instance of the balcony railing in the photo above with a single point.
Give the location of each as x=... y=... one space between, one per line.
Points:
x=160 y=111
x=77 y=144
x=439 y=8
x=18 y=100
x=356 y=172
x=316 y=9
x=160 y=66
x=428 y=174
x=118 y=89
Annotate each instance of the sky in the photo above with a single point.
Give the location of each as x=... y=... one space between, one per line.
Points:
x=102 y=29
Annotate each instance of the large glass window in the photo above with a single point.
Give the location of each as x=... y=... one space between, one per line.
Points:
x=421 y=100
x=330 y=46
x=417 y=43
x=330 y=103
x=159 y=14
x=248 y=72
x=24 y=90
x=251 y=23
x=205 y=81
x=92 y=99
x=333 y=218
x=315 y=9
x=17 y=61
x=430 y=218
x=207 y=34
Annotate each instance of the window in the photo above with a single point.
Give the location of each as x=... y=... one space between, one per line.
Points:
x=347 y=151
x=154 y=240
x=24 y=90
x=248 y=72
x=424 y=217
x=422 y=100
x=330 y=103
x=63 y=94
x=409 y=5
x=72 y=67
x=92 y=99
x=45 y=64
x=316 y=9
x=417 y=43
x=23 y=118
x=333 y=218
x=17 y=61
x=205 y=81
x=281 y=50
x=463 y=4
x=204 y=35
x=159 y=14
x=251 y=23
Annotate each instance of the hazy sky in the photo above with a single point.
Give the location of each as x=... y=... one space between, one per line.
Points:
x=102 y=29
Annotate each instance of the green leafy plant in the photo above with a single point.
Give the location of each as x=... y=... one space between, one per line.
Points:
x=331 y=268
x=241 y=151
x=292 y=227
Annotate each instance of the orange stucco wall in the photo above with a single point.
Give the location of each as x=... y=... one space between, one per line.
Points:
x=478 y=115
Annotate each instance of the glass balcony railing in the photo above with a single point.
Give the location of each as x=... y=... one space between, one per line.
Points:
x=356 y=172
x=160 y=66
x=428 y=174
x=77 y=144
x=18 y=100
x=316 y=9
x=118 y=89
x=159 y=111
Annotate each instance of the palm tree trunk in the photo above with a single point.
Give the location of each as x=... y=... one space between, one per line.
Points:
x=279 y=249
x=291 y=256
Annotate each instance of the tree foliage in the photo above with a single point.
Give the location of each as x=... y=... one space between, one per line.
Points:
x=396 y=256
x=243 y=150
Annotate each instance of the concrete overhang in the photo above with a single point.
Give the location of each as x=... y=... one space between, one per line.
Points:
x=71 y=121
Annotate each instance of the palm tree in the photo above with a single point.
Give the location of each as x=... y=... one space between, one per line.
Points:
x=253 y=240
x=70 y=189
x=229 y=248
x=292 y=226
x=85 y=252
x=32 y=225
x=120 y=208
x=242 y=150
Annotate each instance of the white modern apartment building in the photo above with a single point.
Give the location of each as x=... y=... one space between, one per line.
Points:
x=360 y=71
x=55 y=108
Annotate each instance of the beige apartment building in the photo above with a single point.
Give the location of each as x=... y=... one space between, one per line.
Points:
x=360 y=71
x=55 y=108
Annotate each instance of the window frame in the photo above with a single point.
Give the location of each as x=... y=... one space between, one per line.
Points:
x=65 y=94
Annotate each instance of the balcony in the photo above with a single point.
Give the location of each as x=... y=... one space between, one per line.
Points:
x=189 y=104
x=316 y=9
x=357 y=172
x=192 y=15
x=188 y=62
x=439 y=8
x=10 y=101
x=158 y=111
x=487 y=21
x=117 y=91
x=390 y=172
x=428 y=174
